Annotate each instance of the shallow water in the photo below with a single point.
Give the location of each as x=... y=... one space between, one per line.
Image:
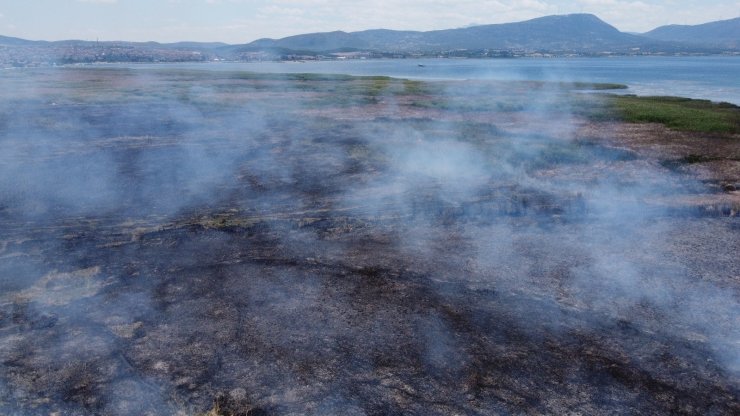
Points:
x=714 y=78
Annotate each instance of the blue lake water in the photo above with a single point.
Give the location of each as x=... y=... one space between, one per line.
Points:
x=716 y=78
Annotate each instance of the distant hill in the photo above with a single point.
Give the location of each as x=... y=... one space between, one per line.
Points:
x=201 y=45
x=724 y=33
x=9 y=41
x=576 y=32
x=563 y=35
x=314 y=41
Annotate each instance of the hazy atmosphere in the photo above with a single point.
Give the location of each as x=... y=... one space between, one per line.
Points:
x=240 y=21
x=535 y=216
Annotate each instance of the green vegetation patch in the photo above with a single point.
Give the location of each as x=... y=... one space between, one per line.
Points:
x=595 y=86
x=679 y=113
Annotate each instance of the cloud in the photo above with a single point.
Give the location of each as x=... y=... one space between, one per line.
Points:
x=224 y=1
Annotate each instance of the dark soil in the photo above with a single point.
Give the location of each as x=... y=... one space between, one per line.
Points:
x=261 y=259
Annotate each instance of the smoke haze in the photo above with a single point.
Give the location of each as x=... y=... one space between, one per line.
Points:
x=306 y=244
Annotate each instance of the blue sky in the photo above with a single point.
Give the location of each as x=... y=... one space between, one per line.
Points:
x=239 y=21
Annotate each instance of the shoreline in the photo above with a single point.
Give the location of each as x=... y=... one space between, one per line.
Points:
x=681 y=77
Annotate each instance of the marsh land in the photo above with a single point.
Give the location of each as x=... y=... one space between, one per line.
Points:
x=183 y=241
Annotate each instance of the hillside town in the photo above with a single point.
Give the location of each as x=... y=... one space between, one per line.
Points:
x=53 y=55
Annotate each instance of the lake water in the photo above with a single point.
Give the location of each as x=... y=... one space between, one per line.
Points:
x=716 y=78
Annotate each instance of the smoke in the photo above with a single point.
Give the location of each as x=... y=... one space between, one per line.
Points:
x=323 y=245
x=573 y=225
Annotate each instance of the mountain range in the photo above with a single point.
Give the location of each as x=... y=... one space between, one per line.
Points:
x=574 y=32
x=583 y=34
x=724 y=34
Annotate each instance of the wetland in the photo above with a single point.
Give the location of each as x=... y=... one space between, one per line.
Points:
x=185 y=241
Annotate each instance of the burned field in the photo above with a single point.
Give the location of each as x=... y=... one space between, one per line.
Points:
x=199 y=242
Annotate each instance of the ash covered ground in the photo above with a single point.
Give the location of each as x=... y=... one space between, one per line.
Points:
x=178 y=242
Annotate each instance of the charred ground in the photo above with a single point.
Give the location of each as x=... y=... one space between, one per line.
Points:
x=177 y=242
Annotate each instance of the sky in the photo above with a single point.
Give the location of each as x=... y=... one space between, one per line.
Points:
x=241 y=21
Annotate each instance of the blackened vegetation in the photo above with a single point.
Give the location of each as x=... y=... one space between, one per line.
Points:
x=242 y=262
